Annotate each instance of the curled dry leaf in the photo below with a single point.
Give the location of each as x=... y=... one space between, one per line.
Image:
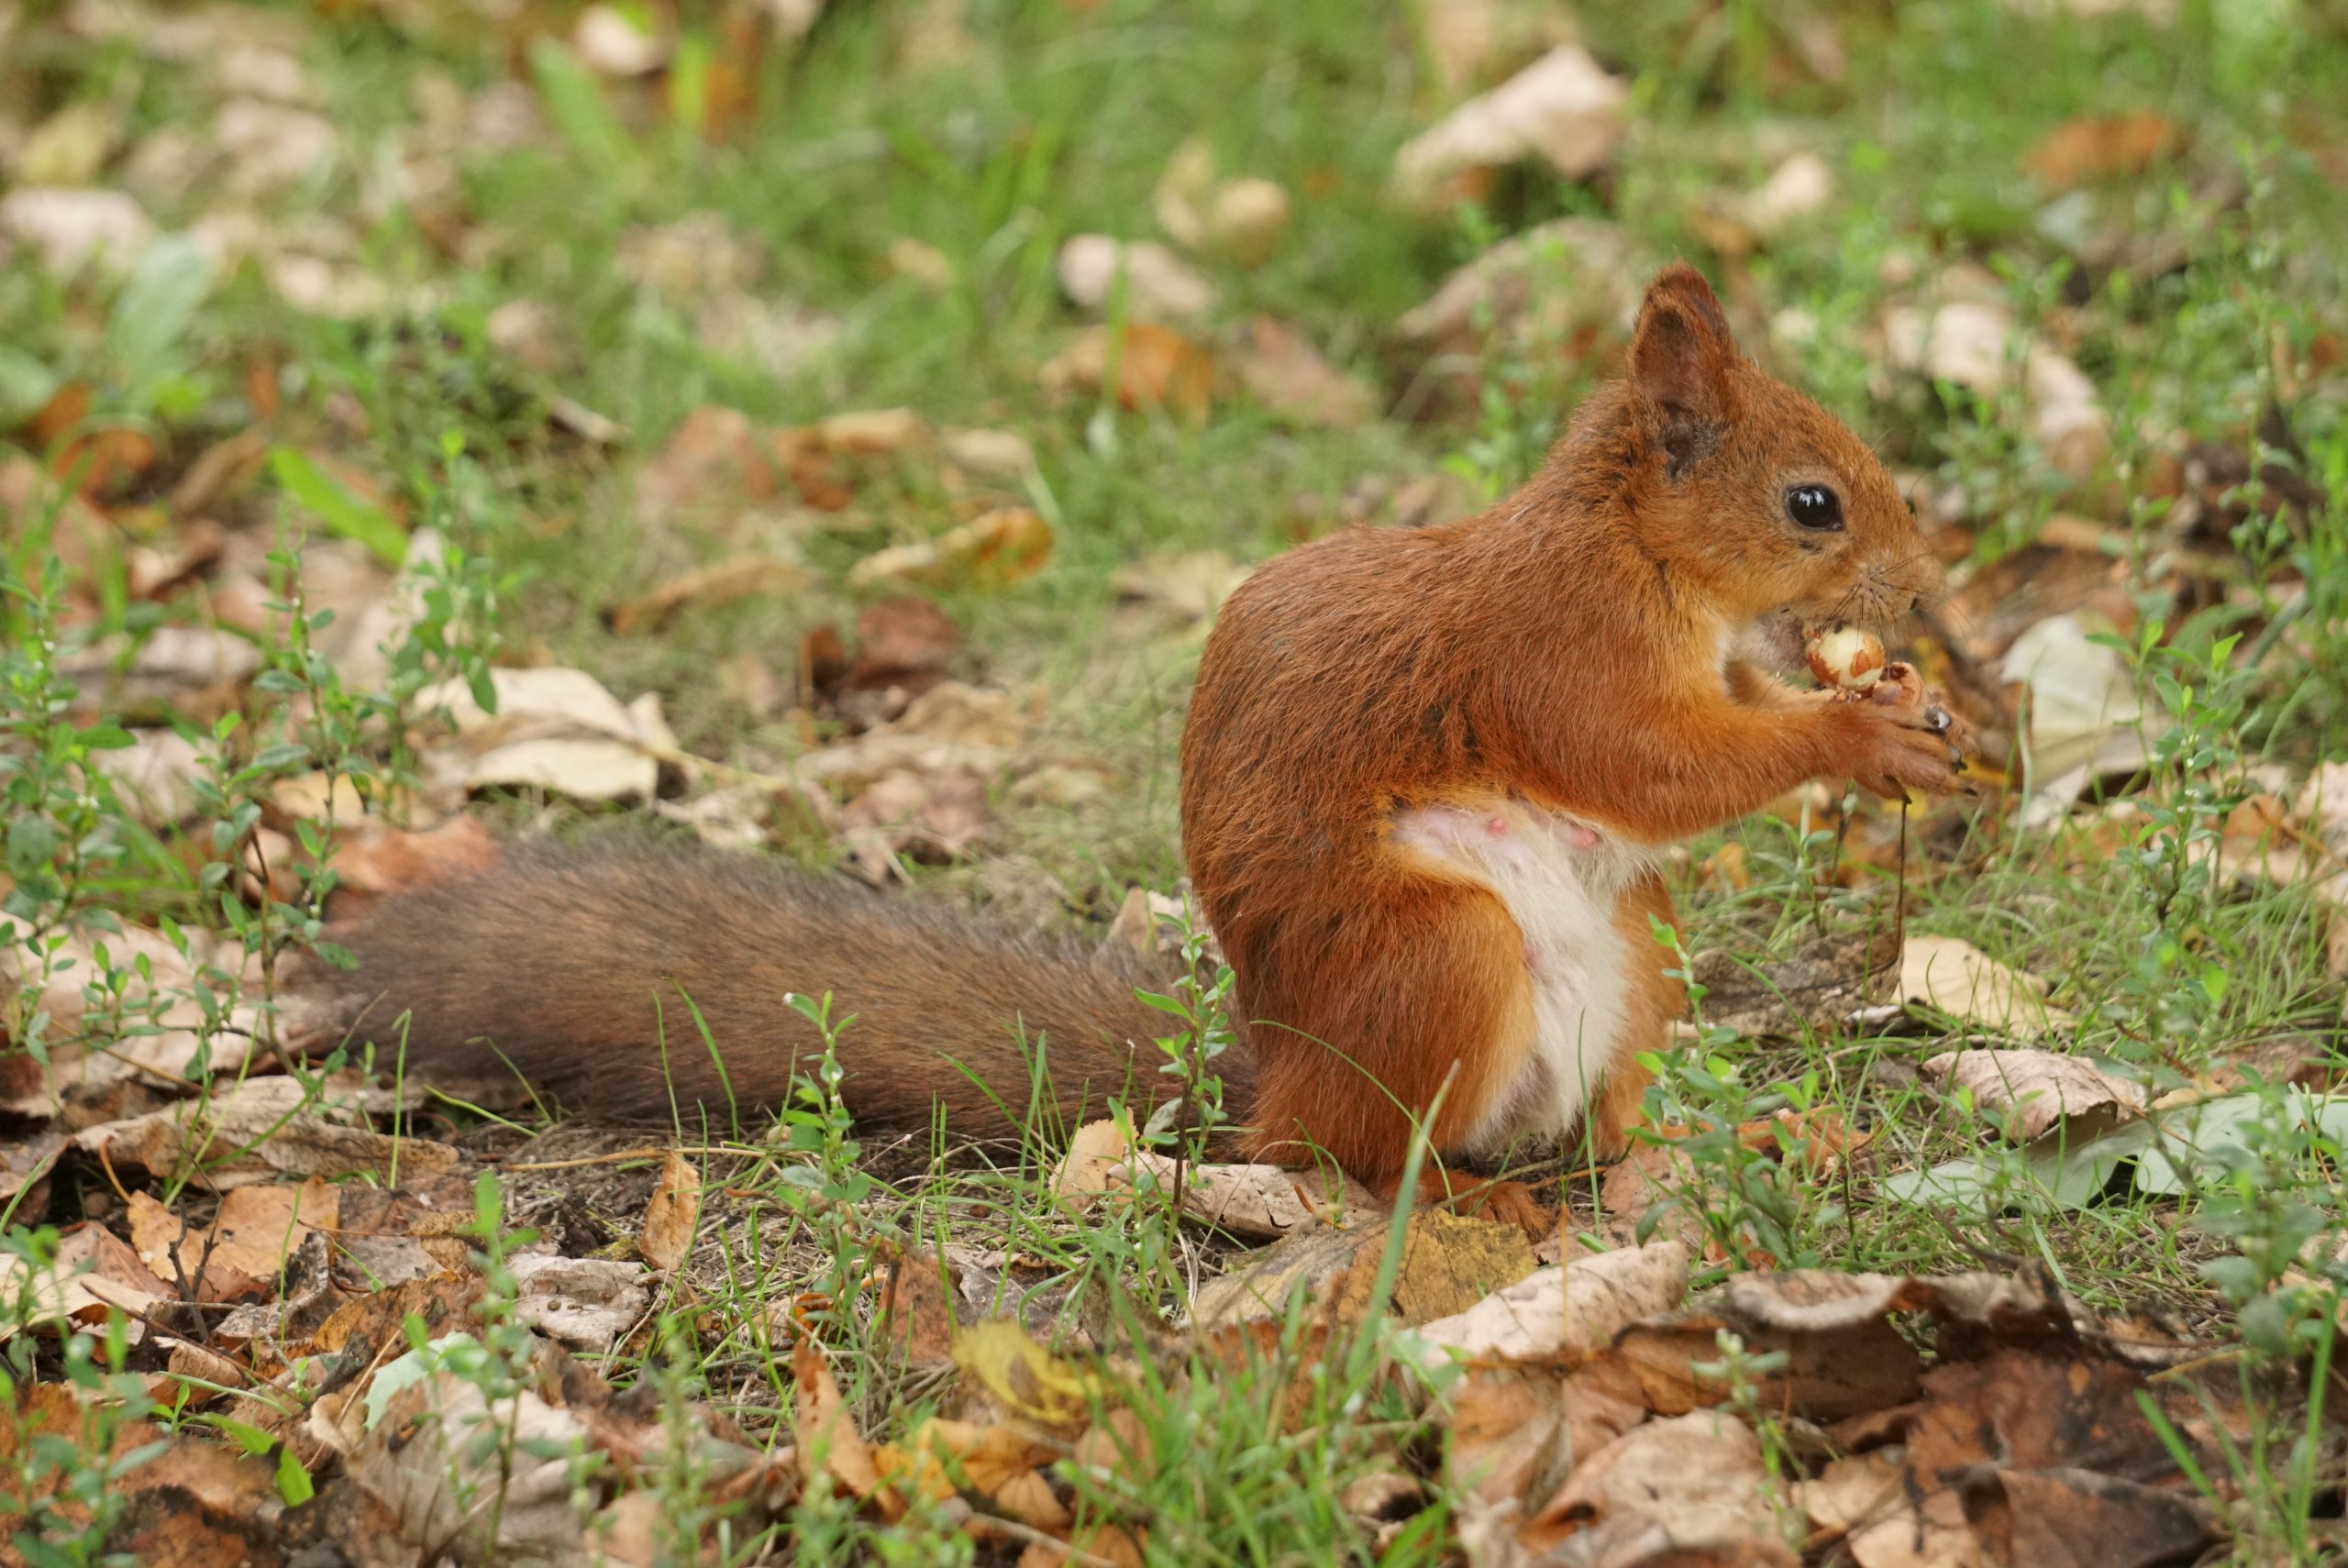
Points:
x=2085 y=713
x=713 y=468
x=454 y=1472
x=94 y=1270
x=1665 y=1490
x=72 y=228
x=585 y=1303
x=1157 y=281
x=1953 y=977
x=1279 y=366
x=1028 y=1381
x=1564 y=107
x=1567 y=1308
x=1096 y=1156
x=1573 y=276
x=1156 y=366
x=1258 y=1201
x=831 y=1450
x=2039 y=1088
x=156 y=775
x=1000 y=548
x=1975 y=343
x=2104 y=147
x=1450 y=1262
x=554 y=729
x=254 y=1130
x=746 y=575
x=666 y=1235
x=248 y=1246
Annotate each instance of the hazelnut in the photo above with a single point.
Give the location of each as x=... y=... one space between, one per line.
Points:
x=1846 y=659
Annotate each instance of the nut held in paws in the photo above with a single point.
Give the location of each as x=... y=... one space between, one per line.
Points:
x=1844 y=657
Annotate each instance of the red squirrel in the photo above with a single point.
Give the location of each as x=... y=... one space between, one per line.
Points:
x=1428 y=776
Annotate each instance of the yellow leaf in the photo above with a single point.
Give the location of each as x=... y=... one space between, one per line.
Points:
x=1027 y=1379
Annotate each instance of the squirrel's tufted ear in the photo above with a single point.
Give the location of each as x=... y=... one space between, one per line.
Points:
x=1680 y=359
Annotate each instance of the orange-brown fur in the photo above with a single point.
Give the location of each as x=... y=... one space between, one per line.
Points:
x=1568 y=649
x=582 y=968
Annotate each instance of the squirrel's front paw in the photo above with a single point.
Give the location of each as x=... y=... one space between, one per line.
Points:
x=1894 y=747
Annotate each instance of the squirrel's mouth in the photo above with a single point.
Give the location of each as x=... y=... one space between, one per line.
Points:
x=1775 y=641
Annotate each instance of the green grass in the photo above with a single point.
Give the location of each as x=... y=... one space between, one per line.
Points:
x=2195 y=283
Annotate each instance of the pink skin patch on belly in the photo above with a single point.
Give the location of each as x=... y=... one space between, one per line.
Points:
x=1448 y=829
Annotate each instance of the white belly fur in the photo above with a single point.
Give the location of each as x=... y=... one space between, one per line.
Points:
x=1560 y=879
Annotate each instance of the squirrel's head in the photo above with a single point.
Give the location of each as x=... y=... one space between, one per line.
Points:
x=1748 y=488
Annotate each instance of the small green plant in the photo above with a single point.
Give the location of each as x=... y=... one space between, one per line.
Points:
x=67 y=835
x=1187 y=1123
x=1742 y=1372
x=2174 y=989
x=62 y=1497
x=825 y=1184
x=1750 y=1198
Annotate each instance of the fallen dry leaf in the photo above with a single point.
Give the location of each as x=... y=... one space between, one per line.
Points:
x=666 y=1234
x=455 y=1473
x=248 y=1246
x=738 y=577
x=2037 y=1088
x=1450 y=1262
x=1975 y=343
x=831 y=1450
x=1005 y=546
x=554 y=729
x=918 y=1306
x=1953 y=977
x=253 y=1131
x=92 y=1272
x=374 y=859
x=156 y=776
x=1025 y=1379
x=1157 y=281
x=1574 y=278
x=1261 y=1201
x=175 y=992
x=1282 y=371
x=2104 y=147
x=1799 y=186
x=76 y=227
x=1671 y=1486
x=1243 y=220
x=713 y=468
x=1564 y=107
x=1156 y=366
x=1567 y=1308
x=585 y=1303
x=2086 y=715
x=931 y=817
x=1246 y=221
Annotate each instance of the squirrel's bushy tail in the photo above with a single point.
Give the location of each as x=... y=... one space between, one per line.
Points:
x=582 y=969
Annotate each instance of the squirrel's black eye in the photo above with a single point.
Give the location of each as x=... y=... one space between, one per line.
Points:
x=1814 y=506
